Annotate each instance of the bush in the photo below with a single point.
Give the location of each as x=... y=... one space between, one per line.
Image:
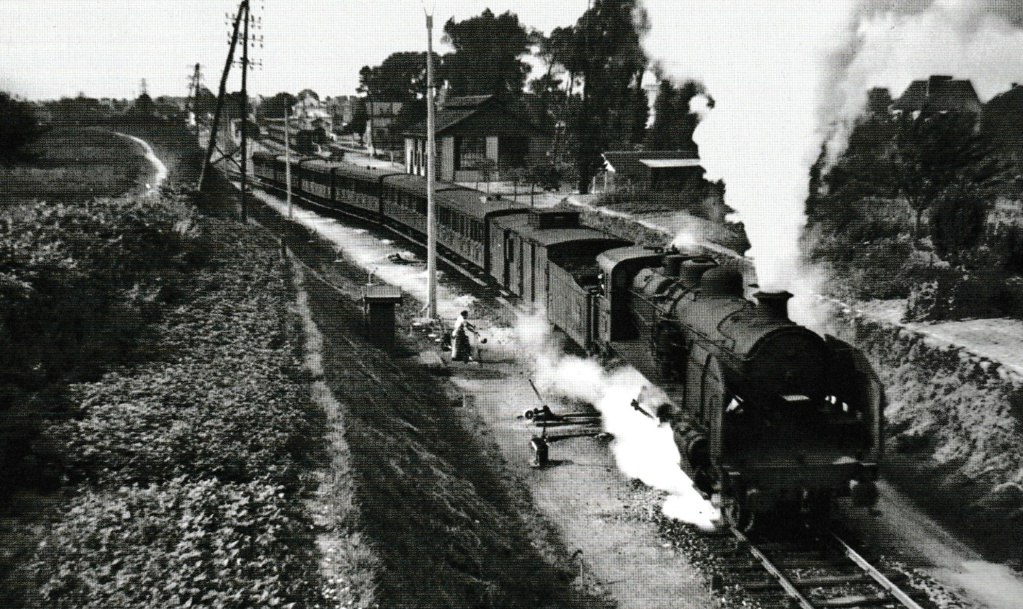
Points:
x=178 y=544
x=955 y=294
x=18 y=129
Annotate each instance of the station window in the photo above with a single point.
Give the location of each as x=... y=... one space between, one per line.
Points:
x=469 y=151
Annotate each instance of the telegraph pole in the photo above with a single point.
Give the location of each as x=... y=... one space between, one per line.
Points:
x=287 y=157
x=194 y=82
x=245 y=110
x=431 y=212
x=206 y=166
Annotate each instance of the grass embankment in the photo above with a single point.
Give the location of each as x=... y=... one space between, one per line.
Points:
x=157 y=433
x=953 y=428
x=434 y=499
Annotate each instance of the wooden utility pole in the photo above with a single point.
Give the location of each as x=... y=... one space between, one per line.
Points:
x=287 y=157
x=194 y=82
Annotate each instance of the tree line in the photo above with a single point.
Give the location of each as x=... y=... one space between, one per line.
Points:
x=590 y=95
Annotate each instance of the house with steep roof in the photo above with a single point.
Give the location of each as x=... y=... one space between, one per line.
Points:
x=651 y=169
x=478 y=138
x=938 y=94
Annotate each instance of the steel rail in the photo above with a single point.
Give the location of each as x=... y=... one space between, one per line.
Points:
x=876 y=575
x=786 y=583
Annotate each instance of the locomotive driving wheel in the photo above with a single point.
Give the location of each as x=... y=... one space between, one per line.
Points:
x=739 y=516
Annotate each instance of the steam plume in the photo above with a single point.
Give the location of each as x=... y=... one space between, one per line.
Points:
x=787 y=78
x=643 y=448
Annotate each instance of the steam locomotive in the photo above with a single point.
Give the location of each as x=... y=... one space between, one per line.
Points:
x=766 y=413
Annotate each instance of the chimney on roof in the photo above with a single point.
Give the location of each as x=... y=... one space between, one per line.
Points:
x=933 y=81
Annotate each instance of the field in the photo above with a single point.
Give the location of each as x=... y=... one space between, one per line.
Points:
x=74 y=164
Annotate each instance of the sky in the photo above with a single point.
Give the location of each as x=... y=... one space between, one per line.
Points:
x=104 y=48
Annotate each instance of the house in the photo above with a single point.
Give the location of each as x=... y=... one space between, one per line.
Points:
x=480 y=138
x=379 y=117
x=938 y=94
x=309 y=113
x=651 y=170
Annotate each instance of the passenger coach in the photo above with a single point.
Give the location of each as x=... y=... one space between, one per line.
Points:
x=548 y=259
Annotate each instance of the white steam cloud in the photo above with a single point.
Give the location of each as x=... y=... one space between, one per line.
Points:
x=788 y=77
x=643 y=448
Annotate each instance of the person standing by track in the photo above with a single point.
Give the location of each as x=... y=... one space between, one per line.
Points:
x=460 y=349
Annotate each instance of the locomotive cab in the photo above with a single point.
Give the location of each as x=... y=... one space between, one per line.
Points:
x=805 y=444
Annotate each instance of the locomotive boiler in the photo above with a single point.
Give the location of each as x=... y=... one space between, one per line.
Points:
x=766 y=413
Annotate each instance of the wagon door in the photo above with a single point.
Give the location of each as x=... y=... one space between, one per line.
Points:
x=532 y=272
x=509 y=259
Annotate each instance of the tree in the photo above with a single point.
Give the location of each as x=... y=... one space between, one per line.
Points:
x=603 y=49
x=400 y=78
x=18 y=129
x=274 y=107
x=487 y=54
x=144 y=106
x=935 y=156
x=674 y=124
x=359 y=119
x=958 y=219
x=204 y=102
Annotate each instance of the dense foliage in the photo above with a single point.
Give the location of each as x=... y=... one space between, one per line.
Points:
x=603 y=50
x=79 y=286
x=487 y=58
x=151 y=388
x=274 y=108
x=18 y=129
x=906 y=213
x=179 y=543
x=674 y=123
x=190 y=465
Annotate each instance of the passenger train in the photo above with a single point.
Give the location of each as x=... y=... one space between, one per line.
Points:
x=766 y=413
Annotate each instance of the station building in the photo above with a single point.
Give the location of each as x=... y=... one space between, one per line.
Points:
x=480 y=138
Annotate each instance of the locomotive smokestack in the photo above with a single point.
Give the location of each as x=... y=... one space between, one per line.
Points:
x=775 y=302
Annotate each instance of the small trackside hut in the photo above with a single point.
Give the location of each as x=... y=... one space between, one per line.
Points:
x=378 y=303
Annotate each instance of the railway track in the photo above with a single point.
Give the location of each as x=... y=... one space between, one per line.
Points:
x=805 y=568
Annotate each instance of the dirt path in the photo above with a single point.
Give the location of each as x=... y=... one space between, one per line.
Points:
x=617 y=550
x=159 y=168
